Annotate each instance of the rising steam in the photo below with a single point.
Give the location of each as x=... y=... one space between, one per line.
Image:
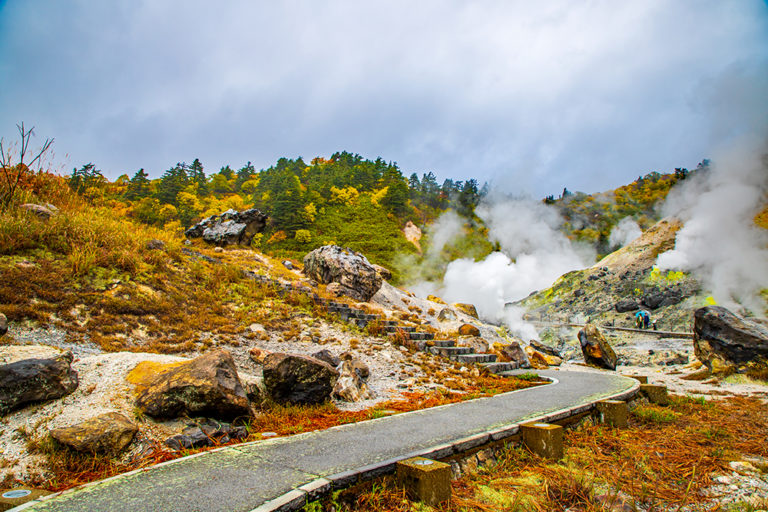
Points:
x=623 y=233
x=720 y=243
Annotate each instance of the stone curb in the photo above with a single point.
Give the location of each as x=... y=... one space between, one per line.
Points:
x=310 y=491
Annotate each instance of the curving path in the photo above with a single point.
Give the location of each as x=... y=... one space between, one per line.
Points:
x=285 y=472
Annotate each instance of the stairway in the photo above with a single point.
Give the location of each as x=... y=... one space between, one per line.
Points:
x=423 y=341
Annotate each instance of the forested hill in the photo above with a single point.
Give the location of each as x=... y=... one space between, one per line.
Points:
x=351 y=201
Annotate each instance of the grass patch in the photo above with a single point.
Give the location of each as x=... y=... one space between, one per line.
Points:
x=654 y=414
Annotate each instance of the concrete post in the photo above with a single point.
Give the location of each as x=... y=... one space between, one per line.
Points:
x=655 y=393
x=11 y=498
x=543 y=439
x=425 y=480
x=640 y=378
x=613 y=413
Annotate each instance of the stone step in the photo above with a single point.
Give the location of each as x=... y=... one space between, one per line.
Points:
x=450 y=351
x=421 y=336
x=395 y=328
x=474 y=358
x=387 y=323
x=443 y=343
x=498 y=368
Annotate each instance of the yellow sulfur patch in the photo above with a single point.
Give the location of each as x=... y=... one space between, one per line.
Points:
x=146 y=372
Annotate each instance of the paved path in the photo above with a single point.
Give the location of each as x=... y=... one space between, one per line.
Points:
x=246 y=476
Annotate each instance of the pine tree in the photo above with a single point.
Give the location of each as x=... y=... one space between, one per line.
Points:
x=138 y=187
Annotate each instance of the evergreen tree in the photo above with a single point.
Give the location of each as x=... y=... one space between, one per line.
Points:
x=173 y=181
x=138 y=187
x=197 y=176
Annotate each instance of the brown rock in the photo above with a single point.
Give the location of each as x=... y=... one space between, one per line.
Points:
x=106 y=433
x=597 y=352
x=356 y=364
x=296 y=379
x=476 y=343
x=351 y=387
x=258 y=355
x=446 y=315
x=32 y=373
x=384 y=272
x=537 y=359
x=3 y=324
x=468 y=309
x=514 y=353
x=468 y=330
x=205 y=386
x=434 y=298
x=413 y=234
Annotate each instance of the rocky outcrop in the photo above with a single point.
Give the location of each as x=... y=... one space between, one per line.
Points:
x=206 y=432
x=413 y=234
x=296 y=379
x=355 y=275
x=205 y=386
x=351 y=386
x=724 y=341
x=106 y=433
x=229 y=228
x=597 y=352
x=467 y=309
x=31 y=373
x=43 y=212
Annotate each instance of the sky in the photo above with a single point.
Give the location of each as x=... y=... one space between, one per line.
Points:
x=531 y=96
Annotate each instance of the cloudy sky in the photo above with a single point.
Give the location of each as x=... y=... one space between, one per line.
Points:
x=531 y=95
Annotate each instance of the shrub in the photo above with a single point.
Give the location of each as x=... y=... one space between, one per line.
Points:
x=303 y=236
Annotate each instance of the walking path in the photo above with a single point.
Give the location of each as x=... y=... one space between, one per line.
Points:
x=266 y=475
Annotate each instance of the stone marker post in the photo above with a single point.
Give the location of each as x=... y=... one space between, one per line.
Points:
x=425 y=480
x=543 y=439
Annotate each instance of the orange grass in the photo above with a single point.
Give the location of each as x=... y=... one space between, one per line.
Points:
x=661 y=466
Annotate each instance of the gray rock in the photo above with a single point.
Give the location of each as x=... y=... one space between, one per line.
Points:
x=355 y=275
x=106 y=433
x=327 y=356
x=515 y=354
x=351 y=387
x=44 y=376
x=661 y=298
x=206 y=385
x=723 y=338
x=206 y=432
x=229 y=228
x=296 y=379
x=626 y=305
x=155 y=245
x=41 y=211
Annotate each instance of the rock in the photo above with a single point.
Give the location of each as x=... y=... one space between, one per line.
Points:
x=296 y=379
x=229 y=228
x=257 y=329
x=41 y=211
x=3 y=324
x=468 y=330
x=597 y=352
x=546 y=349
x=360 y=367
x=106 y=433
x=514 y=353
x=446 y=315
x=335 y=289
x=351 y=386
x=206 y=385
x=724 y=341
x=327 y=356
x=155 y=245
x=412 y=234
x=258 y=355
x=436 y=299
x=468 y=309
x=476 y=343
x=626 y=305
x=384 y=272
x=661 y=298
x=207 y=432
x=30 y=373
x=355 y=275
x=541 y=360
x=287 y=264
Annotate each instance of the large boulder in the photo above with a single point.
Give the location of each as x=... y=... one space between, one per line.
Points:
x=514 y=353
x=597 y=352
x=626 y=305
x=468 y=330
x=30 y=373
x=43 y=212
x=355 y=275
x=660 y=298
x=297 y=379
x=106 y=433
x=205 y=386
x=468 y=309
x=229 y=228
x=724 y=341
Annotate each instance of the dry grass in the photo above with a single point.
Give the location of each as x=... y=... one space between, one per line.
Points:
x=660 y=465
